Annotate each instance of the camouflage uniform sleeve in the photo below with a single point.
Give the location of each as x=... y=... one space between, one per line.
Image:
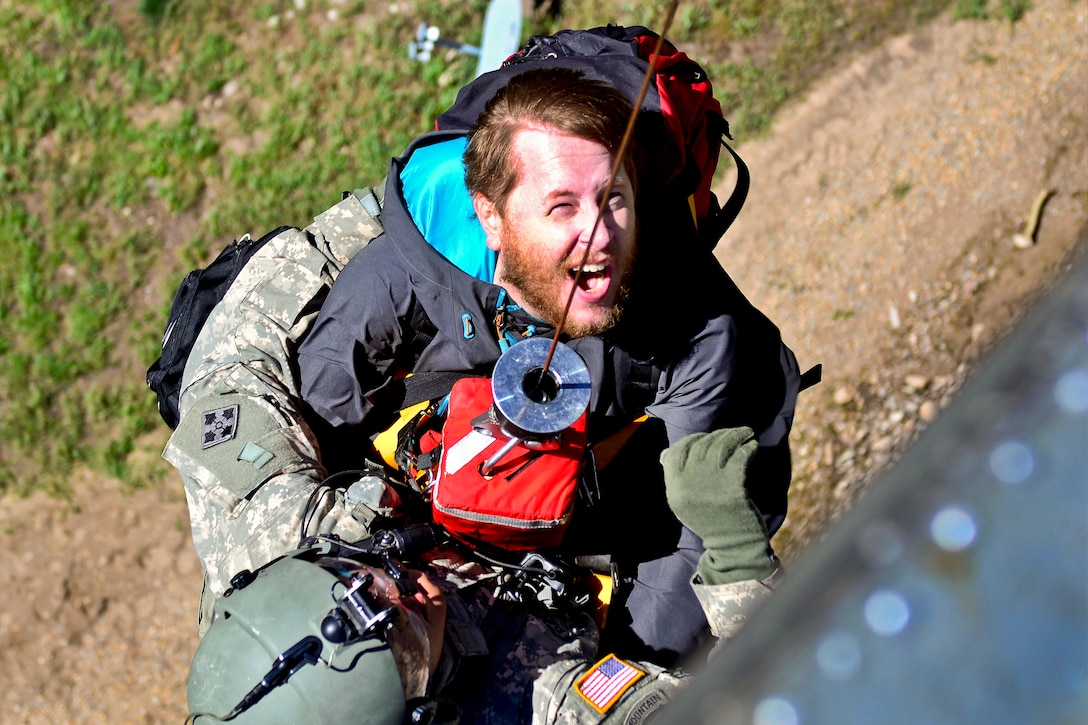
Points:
x=612 y=690
x=248 y=460
x=728 y=606
x=543 y=667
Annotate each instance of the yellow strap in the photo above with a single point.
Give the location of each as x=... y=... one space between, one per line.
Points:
x=386 y=441
x=601 y=585
x=604 y=452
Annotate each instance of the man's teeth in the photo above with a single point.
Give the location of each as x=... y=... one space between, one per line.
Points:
x=590 y=269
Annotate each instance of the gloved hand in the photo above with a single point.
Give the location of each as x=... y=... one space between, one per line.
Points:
x=704 y=483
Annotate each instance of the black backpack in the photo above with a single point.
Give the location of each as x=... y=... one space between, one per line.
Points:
x=199 y=293
x=680 y=130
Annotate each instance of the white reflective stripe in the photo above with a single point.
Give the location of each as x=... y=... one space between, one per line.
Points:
x=465 y=450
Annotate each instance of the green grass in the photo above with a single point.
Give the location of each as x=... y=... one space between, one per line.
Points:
x=114 y=128
x=136 y=139
x=1011 y=10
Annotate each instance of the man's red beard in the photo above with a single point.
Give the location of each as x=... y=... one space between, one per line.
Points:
x=540 y=285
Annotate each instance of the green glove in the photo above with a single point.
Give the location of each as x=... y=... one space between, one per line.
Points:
x=704 y=482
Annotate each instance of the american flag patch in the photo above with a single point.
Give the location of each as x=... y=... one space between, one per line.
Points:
x=603 y=685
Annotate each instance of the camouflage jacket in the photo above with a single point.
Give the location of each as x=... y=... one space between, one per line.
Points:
x=249 y=462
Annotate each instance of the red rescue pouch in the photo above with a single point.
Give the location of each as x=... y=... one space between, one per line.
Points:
x=524 y=500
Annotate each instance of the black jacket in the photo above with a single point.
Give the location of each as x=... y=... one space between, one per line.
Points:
x=690 y=351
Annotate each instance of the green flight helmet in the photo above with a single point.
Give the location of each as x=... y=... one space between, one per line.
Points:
x=309 y=639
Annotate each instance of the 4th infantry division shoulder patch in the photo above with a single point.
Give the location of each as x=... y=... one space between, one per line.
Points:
x=606 y=682
x=220 y=426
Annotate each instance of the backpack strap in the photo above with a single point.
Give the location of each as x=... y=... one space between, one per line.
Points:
x=812 y=376
x=420 y=387
x=715 y=225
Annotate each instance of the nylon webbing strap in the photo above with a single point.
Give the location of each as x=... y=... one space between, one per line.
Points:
x=812 y=376
x=421 y=387
x=731 y=209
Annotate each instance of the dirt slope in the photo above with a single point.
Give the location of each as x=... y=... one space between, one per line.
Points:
x=879 y=231
x=878 y=234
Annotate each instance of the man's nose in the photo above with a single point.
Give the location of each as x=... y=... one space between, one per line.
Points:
x=596 y=228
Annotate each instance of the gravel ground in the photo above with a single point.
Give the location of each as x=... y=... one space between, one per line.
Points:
x=878 y=234
x=880 y=229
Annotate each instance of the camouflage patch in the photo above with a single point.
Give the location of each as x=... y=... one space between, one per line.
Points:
x=644 y=710
x=220 y=426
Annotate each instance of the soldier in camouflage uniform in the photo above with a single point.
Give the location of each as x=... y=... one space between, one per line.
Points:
x=249 y=461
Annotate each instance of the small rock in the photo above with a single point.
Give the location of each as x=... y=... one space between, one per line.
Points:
x=844 y=395
x=928 y=411
x=917 y=382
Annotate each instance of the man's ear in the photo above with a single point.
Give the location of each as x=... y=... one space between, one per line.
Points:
x=490 y=220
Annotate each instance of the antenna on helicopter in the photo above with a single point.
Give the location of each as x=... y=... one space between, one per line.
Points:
x=501 y=37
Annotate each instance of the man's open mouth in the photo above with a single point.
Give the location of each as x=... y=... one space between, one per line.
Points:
x=594 y=277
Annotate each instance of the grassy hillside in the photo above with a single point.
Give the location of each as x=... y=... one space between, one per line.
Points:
x=137 y=138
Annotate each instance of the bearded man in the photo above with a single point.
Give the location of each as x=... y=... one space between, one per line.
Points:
x=484 y=243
